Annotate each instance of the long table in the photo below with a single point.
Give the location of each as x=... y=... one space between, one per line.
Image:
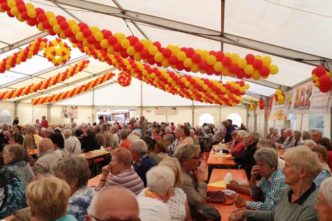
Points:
x=218 y=175
x=217 y=160
x=96 y=159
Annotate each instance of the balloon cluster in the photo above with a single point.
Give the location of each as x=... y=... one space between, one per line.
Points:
x=124 y=79
x=57 y=52
x=322 y=79
x=180 y=58
x=279 y=96
x=70 y=93
x=261 y=103
x=194 y=88
x=34 y=87
x=22 y=55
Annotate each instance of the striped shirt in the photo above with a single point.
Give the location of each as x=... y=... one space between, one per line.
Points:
x=271 y=188
x=128 y=179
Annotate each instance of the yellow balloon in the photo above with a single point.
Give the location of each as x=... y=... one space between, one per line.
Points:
x=267 y=60
x=98 y=35
x=187 y=63
x=79 y=36
x=110 y=50
x=11 y=3
x=14 y=11
x=194 y=68
x=31 y=13
x=211 y=60
x=249 y=69
x=158 y=57
x=241 y=63
x=137 y=57
x=181 y=56
x=153 y=50
x=104 y=43
x=274 y=69
x=218 y=67
x=165 y=63
x=49 y=15
x=56 y=28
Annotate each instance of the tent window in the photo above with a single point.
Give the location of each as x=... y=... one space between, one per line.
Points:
x=316 y=122
x=206 y=118
x=236 y=118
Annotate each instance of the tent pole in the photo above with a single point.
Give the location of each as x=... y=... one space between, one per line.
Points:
x=192 y=114
x=48 y=113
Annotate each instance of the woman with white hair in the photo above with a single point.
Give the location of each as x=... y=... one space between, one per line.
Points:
x=151 y=201
x=298 y=201
x=72 y=144
x=266 y=193
x=324 y=200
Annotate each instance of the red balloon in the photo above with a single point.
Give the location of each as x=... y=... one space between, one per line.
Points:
x=325 y=83
x=196 y=58
x=226 y=61
x=219 y=55
x=173 y=60
x=258 y=64
x=166 y=52
x=264 y=71
x=203 y=65
x=133 y=40
x=106 y=33
x=111 y=39
x=250 y=58
x=319 y=71
x=190 y=52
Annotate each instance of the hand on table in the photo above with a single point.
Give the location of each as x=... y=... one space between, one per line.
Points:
x=240 y=202
x=233 y=185
x=237 y=215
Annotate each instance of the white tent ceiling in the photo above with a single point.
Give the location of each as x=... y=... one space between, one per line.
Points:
x=295 y=33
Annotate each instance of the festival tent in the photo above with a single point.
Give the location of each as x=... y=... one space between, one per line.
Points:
x=295 y=34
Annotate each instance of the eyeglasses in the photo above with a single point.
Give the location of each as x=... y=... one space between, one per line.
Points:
x=115 y=219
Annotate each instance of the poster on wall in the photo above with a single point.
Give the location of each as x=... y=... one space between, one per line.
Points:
x=302 y=97
x=69 y=112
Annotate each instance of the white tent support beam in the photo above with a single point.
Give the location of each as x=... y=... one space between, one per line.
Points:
x=45 y=71
x=47 y=91
x=22 y=42
x=197 y=31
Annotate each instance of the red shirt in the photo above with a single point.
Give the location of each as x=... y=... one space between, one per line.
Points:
x=44 y=123
x=124 y=143
x=238 y=148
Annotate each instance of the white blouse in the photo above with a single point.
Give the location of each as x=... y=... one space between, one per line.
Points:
x=177 y=205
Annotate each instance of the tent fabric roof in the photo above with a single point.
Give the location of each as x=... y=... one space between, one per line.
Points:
x=294 y=33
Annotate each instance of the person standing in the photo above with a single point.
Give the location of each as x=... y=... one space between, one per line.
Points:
x=44 y=122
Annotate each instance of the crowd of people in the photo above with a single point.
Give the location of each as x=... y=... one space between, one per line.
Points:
x=156 y=173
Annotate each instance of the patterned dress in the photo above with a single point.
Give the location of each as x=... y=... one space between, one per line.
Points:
x=79 y=202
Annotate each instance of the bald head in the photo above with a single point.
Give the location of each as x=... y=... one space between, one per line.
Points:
x=45 y=145
x=114 y=202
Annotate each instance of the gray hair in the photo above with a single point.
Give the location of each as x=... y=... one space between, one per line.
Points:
x=242 y=133
x=67 y=132
x=302 y=157
x=169 y=137
x=73 y=167
x=160 y=179
x=16 y=150
x=269 y=155
x=309 y=143
x=326 y=189
x=187 y=152
x=139 y=146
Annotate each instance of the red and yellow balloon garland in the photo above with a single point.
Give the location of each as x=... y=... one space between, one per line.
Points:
x=124 y=79
x=322 y=79
x=70 y=93
x=32 y=88
x=194 y=88
x=23 y=55
x=57 y=52
x=279 y=96
x=188 y=59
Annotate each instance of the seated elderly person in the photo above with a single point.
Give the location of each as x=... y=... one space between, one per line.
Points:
x=142 y=162
x=192 y=176
x=107 y=205
x=177 y=204
x=48 y=199
x=240 y=138
x=11 y=192
x=13 y=156
x=266 y=143
x=296 y=202
x=324 y=200
x=75 y=171
x=47 y=157
x=322 y=156
x=266 y=193
x=119 y=172
x=151 y=201
x=246 y=158
x=72 y=144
